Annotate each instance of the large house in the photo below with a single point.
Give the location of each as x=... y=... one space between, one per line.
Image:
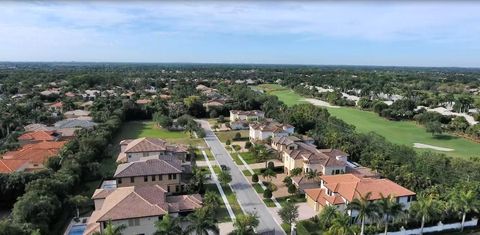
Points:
x=137 y=207
x=166 y=172
x=269 y=129
x=78 y=113
x=38 y=136
x=298 y=153
x=30 y=157
x=251 y=115
x=339 y=190
x=137 y=149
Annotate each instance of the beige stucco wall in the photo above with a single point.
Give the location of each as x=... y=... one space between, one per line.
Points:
x=140 y=181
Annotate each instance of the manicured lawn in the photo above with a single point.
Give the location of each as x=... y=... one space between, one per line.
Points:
x=248 y=157
x=293 y=198
x=268 y=202
x=132 y=130
x=223 y=136
x=258 y=188
x=246 y=173
x=222 y=213
x=399 y=132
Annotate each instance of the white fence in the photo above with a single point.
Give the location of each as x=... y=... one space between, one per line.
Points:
x=438 y=228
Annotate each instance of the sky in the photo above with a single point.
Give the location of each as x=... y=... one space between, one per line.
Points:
x=404 y=33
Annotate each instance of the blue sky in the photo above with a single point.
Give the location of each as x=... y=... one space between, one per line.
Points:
x=347 y=33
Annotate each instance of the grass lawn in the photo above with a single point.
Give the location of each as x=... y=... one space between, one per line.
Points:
x=258 y=188
x=248 y=157
x=223 y=136
x=398 y=132
x=132 y=130
x=246 y=173
x=268 y=202
x=293 y=198
x=222 y=213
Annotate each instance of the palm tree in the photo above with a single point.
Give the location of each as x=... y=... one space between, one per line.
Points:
x=426 y=208
x=365 y=208
x=465 y=202
x=211 y=201
x=224 y=177
x=312 y=175
x=269 y=173
x=198 y=180
x=326 y=216
x=244 y=224
x=341 y=225
x=111 y=229
x=168 y=226
x=388 y=207
x=201 y=222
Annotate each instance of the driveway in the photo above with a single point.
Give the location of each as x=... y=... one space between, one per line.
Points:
x=246 y=195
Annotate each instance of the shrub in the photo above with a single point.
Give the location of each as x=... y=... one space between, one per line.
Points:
x=255 y=178
x=228 y=142
x=237 y=136
x=236 y=147
x=292 y=189
x=248 y=145
x=287 y=181
x=267 y=194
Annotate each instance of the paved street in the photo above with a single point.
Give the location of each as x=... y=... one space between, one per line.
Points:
x=246 y=195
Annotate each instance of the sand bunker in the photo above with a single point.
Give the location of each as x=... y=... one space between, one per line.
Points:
x=426 y=146
x=322 y=103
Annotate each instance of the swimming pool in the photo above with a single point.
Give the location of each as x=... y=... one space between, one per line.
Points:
x=77 y=229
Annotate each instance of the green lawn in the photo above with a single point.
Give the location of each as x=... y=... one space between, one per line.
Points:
x=222 y=214
x=258 y=188
x=248 y=157
x=223 y=136
x=399 y=132
x=132 y=130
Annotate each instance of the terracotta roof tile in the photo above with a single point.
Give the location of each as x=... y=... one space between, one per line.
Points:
x=41 y=135
x=149 y=167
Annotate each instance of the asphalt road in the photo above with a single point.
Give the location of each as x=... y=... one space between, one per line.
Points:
x=246 y=195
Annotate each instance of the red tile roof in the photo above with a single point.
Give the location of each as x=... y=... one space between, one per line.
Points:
x=38 y=136
x=11 y=165
x=36 y=153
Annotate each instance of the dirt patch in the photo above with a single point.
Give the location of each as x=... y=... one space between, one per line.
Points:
x=426 y=146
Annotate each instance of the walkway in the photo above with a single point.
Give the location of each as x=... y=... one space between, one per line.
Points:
x=248 y=199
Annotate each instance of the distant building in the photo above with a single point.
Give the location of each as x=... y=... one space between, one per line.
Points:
x=75 y=123
x=78 y=113
x=251 y=115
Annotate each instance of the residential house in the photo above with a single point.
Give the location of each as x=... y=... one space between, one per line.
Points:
x=78 y=113
x=137 y=208
x=251 y=115
x=269 y=129
x=143 y=101
x=30 y=157
x=56 y=107
x=38 y=136
x=75 y=123
x=36 y=127
x=166 y=172
x=214 y=103
x=297 y=153
x=339 y=190
x=137 y=149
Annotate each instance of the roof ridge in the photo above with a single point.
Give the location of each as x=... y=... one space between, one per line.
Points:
x=170 y=164
x=1 y=160
x=111 y=208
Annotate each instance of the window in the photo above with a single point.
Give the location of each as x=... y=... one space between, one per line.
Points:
x=337 y=172
x=169 y=176
x=153 y=178
x=145 y=154
x=145 y=178
x=104 y=225
x=133 y=222
x=182 y=188
x=160 y=177
x=168 y=188
x=119 y=181
x=177 y=188
x=333 y=172
x=174 y=176
x=132 y=179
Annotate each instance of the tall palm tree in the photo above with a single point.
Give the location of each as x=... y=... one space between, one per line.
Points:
x=326 y=216
x=201 y=223
x=388 y=208
x=211 y=201
x=464 y=202
x=244 y=224
x=341 y=225
x=364 y=207
x=426 y=208
x=168 y=226
x=111 y=229
x=269 y=173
